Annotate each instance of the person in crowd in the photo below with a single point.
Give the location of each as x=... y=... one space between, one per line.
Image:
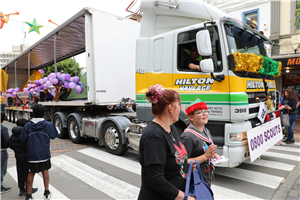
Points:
x=4 y=154
x=290 y=102
x=278 y=113
x=162 y=155
x=64 y=93
x=48 y=96
x=192 y=62
x=20 y=154
x=197 y=139
x=3 y=102
x=36 y=134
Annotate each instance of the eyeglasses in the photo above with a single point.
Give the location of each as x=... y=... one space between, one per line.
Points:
x=201 y=112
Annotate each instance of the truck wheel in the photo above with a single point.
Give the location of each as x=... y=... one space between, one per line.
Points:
x=113 y=139
x=63 y=133
x=74 y=132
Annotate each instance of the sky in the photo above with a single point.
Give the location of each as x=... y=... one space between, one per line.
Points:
x=58 y=11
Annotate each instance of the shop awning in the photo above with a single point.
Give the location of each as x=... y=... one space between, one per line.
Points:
x=290 y=62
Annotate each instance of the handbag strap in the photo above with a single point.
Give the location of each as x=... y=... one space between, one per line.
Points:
x=188 y=180
x=199 y=169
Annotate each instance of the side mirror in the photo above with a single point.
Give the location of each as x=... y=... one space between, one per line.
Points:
x=207 y=65
x=203 y=43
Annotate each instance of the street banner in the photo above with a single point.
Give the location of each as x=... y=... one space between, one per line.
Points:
x=22 y=94
x=261 y=138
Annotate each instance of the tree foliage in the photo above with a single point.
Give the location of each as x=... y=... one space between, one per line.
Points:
x=296 y=20
x=66 y=66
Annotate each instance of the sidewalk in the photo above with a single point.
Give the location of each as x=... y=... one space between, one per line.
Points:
x=290 y=188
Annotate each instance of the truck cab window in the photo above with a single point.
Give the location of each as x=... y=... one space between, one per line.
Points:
x=186 y=42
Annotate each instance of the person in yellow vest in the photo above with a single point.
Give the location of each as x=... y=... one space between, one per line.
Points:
x=193 y=61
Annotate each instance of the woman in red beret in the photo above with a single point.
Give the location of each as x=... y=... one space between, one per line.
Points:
x=197 y=139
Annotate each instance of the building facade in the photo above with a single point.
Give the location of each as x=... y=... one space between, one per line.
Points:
x=286 y=38
x=5 y=57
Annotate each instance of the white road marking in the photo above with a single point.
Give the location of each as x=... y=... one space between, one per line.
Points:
x=39 y=183
x=271 y=164
x=251 y=176
x=109 y=185
x=224 y=193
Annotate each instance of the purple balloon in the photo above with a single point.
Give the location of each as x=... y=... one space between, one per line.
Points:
x=67 y=85
x=48 y=83
x=31 y=91
x=67 y=76
x=62 y=76
x=78 y=89
x=25 y=90
x=41 y=87
x=14 y=93
x=41 y=81
x=12 y=90
x=3 y=94
x=18 y=89
x=42 y=71
x=9 y=90
x=71 y=79
x=76 y=79
x=37 y=89
x=45 y=79
x=52 y=75
x=37 y=82
x=45 y=86
x=72 y=85
x=54 y=81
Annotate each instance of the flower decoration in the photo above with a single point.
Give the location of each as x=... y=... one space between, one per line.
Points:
x=249 y=62
x=157 y=92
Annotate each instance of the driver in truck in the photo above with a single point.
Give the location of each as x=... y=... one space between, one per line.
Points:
x=193 y=61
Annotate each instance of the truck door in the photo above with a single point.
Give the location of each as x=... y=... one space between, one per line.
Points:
x=160 y=60
x=192 y=83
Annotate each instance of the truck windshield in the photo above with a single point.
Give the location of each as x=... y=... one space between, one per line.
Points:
x=244 y=41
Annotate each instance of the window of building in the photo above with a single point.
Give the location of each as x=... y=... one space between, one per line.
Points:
x=186 y=40
x=251 y=17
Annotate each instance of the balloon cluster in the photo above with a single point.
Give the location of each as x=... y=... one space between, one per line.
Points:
x=46 y=82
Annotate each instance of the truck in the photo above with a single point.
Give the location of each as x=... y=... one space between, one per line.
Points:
x=125 y=57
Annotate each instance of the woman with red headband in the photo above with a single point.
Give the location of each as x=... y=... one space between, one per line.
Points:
x=197 y=139
x=162 y=155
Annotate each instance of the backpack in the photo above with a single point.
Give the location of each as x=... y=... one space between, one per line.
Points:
x=196 y=186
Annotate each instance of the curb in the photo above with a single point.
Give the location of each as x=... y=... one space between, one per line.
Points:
x=286 y=185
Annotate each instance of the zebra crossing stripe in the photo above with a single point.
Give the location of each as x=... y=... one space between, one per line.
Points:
x=118 y=161
x=39 y=183
x=271 y=164
x=224 y=193
x=258 y=178
x=109 y=185
x=284 y=148
x=281 y=155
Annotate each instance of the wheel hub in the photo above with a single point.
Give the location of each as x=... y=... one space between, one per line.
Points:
x=58 y=126
x=112 y=138
x=73 y=129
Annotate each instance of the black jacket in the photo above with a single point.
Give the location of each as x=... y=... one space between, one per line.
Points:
x=16 y=144
x=4 y=137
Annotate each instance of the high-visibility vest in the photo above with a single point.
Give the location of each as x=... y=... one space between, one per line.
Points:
x=188 y=51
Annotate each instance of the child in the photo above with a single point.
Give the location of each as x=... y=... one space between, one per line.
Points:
x=20 y=155
x=37 y=134
x=4 y=137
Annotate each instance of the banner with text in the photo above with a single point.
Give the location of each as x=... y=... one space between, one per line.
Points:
x=261 y=138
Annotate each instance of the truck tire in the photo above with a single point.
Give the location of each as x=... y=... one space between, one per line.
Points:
x=74 y=132
x=113 y=139
x=63 y=132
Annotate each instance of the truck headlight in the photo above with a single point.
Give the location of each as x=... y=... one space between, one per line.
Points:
x=238 y=137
